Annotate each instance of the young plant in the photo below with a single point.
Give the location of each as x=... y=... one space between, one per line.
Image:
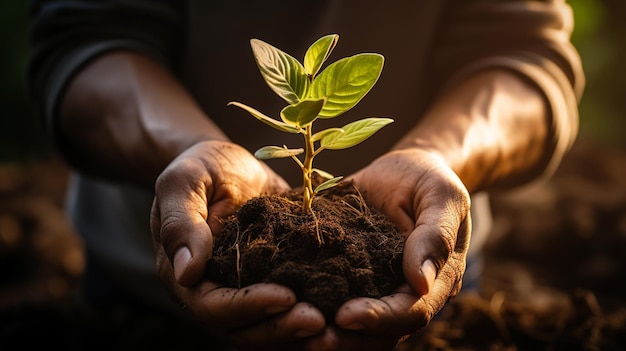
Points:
x=338 y=88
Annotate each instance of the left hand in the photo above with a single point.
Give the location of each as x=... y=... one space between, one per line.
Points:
x=194 y=193
x=421 y=194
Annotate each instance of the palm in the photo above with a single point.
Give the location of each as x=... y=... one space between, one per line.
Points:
x=425 y=198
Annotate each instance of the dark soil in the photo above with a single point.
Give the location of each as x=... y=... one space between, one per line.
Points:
x=341 y=250
x=553 y=278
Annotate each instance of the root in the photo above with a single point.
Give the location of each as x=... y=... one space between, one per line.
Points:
x=320 y=239
x=238 y=264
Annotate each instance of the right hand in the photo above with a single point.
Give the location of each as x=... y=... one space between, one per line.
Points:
x=429 y=203
x=193 y=195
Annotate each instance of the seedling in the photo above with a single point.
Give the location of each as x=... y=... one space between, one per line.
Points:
x=338 y=88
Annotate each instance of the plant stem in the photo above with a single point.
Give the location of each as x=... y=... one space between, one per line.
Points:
x=307 y=167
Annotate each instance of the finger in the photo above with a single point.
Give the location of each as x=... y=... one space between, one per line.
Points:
x=417 y=261
x=430 y=247
x=289 y=328
x=182 y=212
x=232 y=308
x=434 y=238
x=163 y=263
x=394 y=316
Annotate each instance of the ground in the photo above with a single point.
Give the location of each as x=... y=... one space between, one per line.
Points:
x=552 y=277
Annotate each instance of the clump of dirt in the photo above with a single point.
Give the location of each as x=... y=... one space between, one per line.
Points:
x=341 y=250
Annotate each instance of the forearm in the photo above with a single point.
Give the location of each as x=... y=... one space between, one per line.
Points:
x=125 y=117
x=492 y=129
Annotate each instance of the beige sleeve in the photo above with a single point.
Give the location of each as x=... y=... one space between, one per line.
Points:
x=529 y=38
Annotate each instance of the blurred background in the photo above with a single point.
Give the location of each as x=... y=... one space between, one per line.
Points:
x=21 y=137
x=555 y=263
x=600 y=35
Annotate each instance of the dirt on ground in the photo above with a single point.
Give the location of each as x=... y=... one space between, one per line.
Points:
x=552 y=281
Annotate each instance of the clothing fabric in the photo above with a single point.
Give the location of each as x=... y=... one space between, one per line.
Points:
x=428 y=45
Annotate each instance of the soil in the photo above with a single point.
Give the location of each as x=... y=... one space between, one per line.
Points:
x=341 y=250
x=553 y=276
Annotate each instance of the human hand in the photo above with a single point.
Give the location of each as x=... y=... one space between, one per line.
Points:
x=193 y=194
x=419 y=192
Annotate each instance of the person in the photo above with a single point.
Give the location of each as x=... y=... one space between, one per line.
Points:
x=484 y=96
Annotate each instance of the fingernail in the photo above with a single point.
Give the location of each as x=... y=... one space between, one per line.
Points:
x=182 y=257
x=430 y=272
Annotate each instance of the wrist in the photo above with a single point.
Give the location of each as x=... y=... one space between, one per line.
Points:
x=491 y=129
x=125 y=117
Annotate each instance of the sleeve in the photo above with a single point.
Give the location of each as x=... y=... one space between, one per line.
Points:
x=528 y=37
x=66 y=34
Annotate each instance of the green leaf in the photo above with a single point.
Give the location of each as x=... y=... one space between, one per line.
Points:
x=317 y=53
x=283 y=127
x=327 y=184
x=302 y=113
x=322 y=174
x=319 y=135
x=269 y=152
x=355 y=133
x=283 y=73
x=345 y=82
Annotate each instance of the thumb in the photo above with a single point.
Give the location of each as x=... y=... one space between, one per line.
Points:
x=420 y=272
x=180 y=231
